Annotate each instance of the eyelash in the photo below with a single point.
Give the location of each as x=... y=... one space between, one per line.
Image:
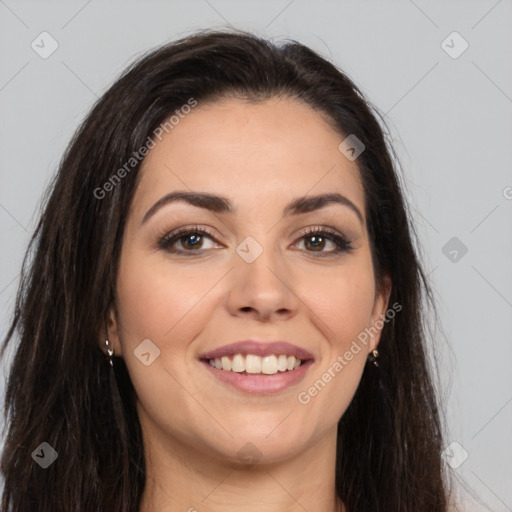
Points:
x=342 y=244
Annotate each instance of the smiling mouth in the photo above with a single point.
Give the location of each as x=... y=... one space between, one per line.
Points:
x=250 y=364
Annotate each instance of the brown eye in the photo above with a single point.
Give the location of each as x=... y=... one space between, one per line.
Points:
x=190 y=240
x=316 y=240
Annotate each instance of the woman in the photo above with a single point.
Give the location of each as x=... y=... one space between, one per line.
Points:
x=223 y=305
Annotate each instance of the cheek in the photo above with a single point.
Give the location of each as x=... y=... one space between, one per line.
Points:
x=160 y=303
x=342 y=304
x=342 y=301
x=154 y=297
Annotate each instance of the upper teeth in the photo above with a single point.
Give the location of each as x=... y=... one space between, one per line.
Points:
x=256 y=364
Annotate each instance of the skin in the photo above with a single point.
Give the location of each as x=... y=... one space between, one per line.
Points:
x=260 y=156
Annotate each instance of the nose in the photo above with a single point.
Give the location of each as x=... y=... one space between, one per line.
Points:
x=262 y=289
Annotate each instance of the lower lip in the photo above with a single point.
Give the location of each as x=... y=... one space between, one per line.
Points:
x=261 y=384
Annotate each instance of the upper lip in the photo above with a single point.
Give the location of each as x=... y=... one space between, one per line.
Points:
x=259 y=348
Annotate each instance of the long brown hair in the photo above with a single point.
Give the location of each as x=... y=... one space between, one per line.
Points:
x=59 y=390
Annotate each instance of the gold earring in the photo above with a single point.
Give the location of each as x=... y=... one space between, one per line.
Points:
x=110 y=353
x=373 y=357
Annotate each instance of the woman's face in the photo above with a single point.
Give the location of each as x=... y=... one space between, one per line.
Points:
x=257 y=272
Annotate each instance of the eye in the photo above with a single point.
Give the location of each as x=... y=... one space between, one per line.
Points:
x=191 y=239
x=318 y=239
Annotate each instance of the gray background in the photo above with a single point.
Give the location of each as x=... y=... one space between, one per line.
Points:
x=450 y=119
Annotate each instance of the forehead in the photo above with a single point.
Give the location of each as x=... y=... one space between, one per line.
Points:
x=259 y=152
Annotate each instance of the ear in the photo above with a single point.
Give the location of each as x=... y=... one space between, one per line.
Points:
x=380 y=307
x=111 y=333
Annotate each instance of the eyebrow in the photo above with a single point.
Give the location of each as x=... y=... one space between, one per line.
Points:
x=220 y=204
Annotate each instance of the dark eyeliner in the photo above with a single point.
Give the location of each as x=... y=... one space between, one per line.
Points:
x=167 y=241
x=342 y=243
